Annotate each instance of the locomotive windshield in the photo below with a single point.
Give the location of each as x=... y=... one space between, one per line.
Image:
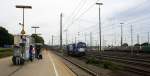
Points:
x=81 y=45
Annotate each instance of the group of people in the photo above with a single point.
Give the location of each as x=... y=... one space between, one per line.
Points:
x=35 y=52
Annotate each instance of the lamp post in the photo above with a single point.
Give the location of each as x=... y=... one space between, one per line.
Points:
x=35 y=27
x=23 y=7
x=99 y=4
x=23 y=31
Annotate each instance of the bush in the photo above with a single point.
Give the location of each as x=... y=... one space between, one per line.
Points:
x=110 y=65
x=92 y=60
x=5 y=49
x=107 y=64
x=103 y=63
x=5 y=52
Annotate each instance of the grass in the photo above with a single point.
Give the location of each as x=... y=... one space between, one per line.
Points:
x=103 y=64
x=5 y=52
x=92 y=60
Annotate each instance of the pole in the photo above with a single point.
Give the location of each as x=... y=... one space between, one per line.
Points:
x=131 y=40
x=61 y=31
x=78 y=36
x=115 y=40
x=66 y=37
x=23 y=18
x=35 y=27
x=121 y=35
x=72 y=39
x=35 y=30
x=103 y=41
x=23 y=7
x=52 y=40
x=49 y=43
x=85 y=38
x=99 y=26
x=91 y=40
x=138 y=42
x=23 y=31
x=148 y=37
x=75 y=40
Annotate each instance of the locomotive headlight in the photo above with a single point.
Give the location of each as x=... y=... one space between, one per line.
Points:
x=81 y=49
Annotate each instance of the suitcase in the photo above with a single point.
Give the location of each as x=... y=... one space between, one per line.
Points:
x=40 y=57
x=17 y=60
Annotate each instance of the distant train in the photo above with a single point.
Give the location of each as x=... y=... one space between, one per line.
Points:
x=76 y=49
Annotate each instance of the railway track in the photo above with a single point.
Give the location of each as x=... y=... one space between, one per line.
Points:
x=132 y=66
x=135 y=65
x=128 y=58
x=138 y=66
x=90 y=72
x=129 y=61
x=140 y=56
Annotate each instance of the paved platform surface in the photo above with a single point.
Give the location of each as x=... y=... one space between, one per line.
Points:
x=50 y=65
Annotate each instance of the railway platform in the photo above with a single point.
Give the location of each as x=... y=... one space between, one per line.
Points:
x=50 y=65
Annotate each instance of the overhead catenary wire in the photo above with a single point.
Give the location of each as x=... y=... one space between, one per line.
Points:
x=82 y=14
x=135 y=20
x=127 y=22
x=109 y=27
x=74 y=11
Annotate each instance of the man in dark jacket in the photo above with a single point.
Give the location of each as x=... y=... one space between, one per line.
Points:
x=30 y=52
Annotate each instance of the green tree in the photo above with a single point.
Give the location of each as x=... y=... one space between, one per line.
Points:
x=38 y=39
x=137 y=44
x=5 y=37
x=145 y=44
x=125 y=44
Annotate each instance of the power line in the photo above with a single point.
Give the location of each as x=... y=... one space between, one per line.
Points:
x=127 y=23
x=106 y=27
x=76 y=9
x=82 y=14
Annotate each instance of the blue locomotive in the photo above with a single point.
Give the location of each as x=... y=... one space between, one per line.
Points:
x=76 y=49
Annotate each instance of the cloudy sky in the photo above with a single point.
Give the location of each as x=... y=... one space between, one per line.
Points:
x=79 y=16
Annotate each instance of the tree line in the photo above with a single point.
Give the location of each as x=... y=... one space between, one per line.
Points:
x=7 y=38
